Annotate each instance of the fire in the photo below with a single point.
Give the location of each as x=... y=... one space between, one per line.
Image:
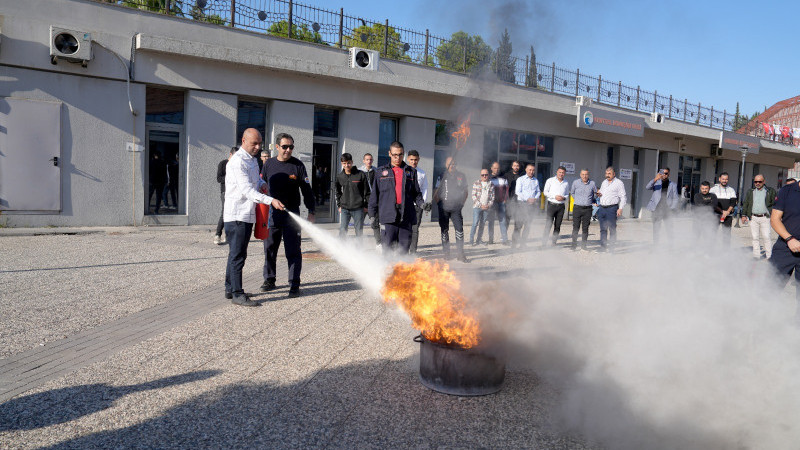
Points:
x=462 y=133
x=429 y=293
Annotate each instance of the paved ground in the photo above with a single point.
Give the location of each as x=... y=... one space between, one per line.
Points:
x=121 y=338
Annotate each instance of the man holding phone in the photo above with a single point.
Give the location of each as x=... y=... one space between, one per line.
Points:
x=662 y=203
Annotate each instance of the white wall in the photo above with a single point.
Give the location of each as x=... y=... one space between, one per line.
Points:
x=358 y=134
x=419 y=134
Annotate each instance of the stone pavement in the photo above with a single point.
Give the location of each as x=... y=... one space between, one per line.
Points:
x=122 y=338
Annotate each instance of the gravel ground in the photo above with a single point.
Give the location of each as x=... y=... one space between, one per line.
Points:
x=335 y=368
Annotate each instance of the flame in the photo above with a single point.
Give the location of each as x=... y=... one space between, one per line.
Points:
x=462 y=133
x=429 y=293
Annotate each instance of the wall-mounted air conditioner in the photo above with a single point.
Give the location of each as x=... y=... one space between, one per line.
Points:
x=70 y=45
x=657 y=117
x=362 y=58
x=582 y=100
x=716 y=152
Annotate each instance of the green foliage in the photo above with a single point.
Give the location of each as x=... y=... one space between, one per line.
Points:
x=450 y=54
x=504 y=64
x=373 y=37
x=301 y=32
x=531 y=78
x=198 y=14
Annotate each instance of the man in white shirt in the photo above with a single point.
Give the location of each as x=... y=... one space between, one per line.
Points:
x=243 y=189
x=726 y=200
x=422 y=179
x=612 y=200
x=556 y=190
x=527 y=192
x=498 y=210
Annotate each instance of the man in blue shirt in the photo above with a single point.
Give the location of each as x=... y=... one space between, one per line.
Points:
x=582 y=190
x=527 y=192
x=785 y=220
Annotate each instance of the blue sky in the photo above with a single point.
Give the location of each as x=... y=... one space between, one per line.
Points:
x=712 y=52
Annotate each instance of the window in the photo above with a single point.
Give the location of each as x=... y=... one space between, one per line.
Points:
x=251 y=115
x=386 y=135
x=443 y=131
x=507 y=146
x=326 y=122
x=163 y=106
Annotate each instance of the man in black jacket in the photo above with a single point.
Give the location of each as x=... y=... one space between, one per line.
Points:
x=450 y=194
x=286 y=178
x=351 y=196
x=394 y=199
x=370 y=171
x=218 y=239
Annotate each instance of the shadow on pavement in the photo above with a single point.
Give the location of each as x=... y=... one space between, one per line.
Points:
x=67 y=404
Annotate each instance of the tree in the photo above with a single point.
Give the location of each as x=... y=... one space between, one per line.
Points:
x=300 y=32
x=531 y=79
x=450 y=54
x=504 y=63
x=373 y=37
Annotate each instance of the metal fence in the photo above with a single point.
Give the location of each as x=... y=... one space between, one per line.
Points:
x=293 y=20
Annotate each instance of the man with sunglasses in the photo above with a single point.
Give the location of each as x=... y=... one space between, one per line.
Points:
x=662 y=203
x=395 y=197
x=758 y=202
x=286 y=178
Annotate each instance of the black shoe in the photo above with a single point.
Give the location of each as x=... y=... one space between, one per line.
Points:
x=490 y=242
x=242 y=300
x=268 y=285
x=294 y=291
x=463 y=259
x=507 y=243
x=229 y=295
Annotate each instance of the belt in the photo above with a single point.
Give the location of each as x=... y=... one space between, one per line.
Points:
x=555 y=204
x=616 y=205
x=582 y=206
x=759 y=215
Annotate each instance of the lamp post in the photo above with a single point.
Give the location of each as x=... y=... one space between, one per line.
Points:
x=740 y=201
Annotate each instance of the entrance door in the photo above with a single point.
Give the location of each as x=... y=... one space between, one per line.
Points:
x=166 y=174
x=323 y=175
x=634 y=193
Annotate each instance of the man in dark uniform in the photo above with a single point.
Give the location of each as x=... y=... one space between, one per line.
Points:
x=218 y=239
x=286 y=178
x=450 y=194
x=511 y=204
x=370 y=171
x=785 y=220
x=394 y=199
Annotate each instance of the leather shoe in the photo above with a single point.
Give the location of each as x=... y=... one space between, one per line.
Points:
x=463 y=259
x=242 y=300
x=294 y=291
x=229 y=295
x=268 y=285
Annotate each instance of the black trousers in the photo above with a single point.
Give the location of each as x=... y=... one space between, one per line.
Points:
x=662 y=216
x=457 y=218
x=289 y=232
x=159 y=190
x=581 y=217
x=396 y=233
x=523 y=219
x=555 y=215
x=415 y=232
x=220 y=223
x=376 y=229
x=238 y=236
x=726 y=226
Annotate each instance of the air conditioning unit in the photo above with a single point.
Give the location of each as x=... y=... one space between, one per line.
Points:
x=657 y=117
x=716 y=152
x=582 y=100
x=362 y=58
x=70 y=45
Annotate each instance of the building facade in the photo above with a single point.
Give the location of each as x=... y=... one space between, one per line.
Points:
x=163 y=99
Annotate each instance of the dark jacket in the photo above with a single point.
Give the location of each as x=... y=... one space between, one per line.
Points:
x=286 y=180
x=747 y=207
x=452 y=190
x=382 y=201
x=158 y=172
x=221 y=174
x=512 y=184
x=352 y=191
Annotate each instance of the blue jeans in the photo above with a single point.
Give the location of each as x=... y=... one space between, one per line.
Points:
x=238 y=236
x=607 y=216
x=498 y=211
x=478 y=219
x=358 y=221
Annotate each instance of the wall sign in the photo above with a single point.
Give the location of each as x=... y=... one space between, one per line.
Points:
x=735 y=141
x=593 y=118
x=569 y=166
x=625 y=174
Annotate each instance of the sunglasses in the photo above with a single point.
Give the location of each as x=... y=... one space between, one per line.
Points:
x=757 y=181
x=288 y=147
x=484 y=174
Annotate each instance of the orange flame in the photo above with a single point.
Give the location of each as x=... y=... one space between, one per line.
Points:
x=429 y=293
x=462 y=133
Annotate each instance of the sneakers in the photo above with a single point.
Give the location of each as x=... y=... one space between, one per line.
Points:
x=242 y=300
x=268 y=285
x=217 y=239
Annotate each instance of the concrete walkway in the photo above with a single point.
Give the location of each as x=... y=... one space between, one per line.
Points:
x=146 y=352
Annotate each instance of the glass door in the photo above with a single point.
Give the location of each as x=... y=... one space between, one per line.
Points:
x=165 y=176
x=324 y=167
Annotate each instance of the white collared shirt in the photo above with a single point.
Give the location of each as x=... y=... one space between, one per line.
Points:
x=527 y=187
x=613 y=193
x=242 y=184
x=721 y=192
x=553 y=187
x=422 y=179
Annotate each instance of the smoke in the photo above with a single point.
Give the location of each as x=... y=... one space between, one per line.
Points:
x=689 y=346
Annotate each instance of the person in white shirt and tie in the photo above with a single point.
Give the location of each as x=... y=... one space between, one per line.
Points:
x=612 y=200
x=556 y=190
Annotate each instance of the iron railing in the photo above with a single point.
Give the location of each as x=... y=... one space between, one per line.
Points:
x=293 y=20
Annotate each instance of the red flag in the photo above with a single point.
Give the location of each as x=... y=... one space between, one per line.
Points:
x=767 y=128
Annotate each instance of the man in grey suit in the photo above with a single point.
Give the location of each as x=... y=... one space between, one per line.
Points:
x=663 y=202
